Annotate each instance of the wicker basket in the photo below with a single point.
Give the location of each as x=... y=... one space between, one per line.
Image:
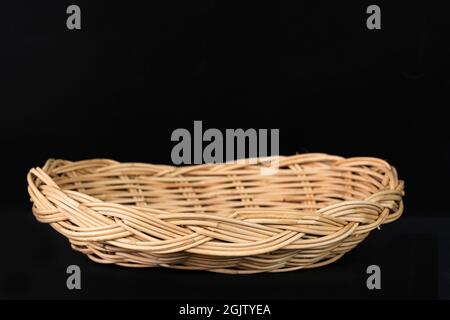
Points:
x=218 y=217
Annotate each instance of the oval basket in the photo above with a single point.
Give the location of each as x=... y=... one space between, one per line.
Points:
x=225 y=218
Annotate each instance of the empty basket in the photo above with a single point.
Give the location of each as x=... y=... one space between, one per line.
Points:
x=218 y=217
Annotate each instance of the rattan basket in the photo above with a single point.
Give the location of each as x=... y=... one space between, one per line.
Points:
x=218 y=217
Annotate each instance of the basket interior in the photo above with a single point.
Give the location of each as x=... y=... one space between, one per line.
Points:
x=223 y=189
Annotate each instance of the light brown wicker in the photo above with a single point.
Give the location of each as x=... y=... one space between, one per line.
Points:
x=218 y=217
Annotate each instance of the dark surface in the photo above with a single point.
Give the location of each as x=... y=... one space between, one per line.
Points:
x=412 y=254
x=134 y=73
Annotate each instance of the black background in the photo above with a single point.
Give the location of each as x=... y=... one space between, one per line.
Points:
x=118 y=87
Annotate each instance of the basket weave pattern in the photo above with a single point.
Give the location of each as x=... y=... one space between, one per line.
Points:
x=218 y=217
